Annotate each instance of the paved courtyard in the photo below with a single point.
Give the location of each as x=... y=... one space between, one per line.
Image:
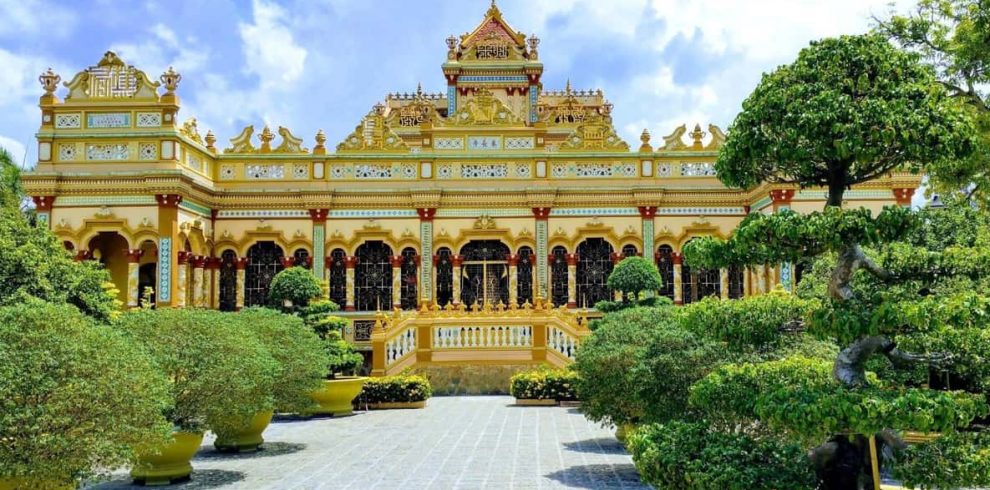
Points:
x=456 y=442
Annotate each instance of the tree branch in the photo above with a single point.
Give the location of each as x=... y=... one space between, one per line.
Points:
x=849 y=368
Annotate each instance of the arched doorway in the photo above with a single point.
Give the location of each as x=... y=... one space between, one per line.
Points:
x=524 y=269
x=264 y=261
x=665 y=265
x=593 y=267
x=558 y=274
x=337 y=272
x=485 y=273
x=110 y=249
x=373 y=277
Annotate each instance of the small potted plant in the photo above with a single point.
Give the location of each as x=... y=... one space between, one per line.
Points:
x=300 y=359
x=400 y=391
x=76 y=397
x=543 y=387
x=218 y=377
x=341 y=386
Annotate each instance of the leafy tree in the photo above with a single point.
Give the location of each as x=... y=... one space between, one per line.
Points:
x=952 y=36
x=846 y=111
x=77 y=396
x=634 y=275
x=295 y=284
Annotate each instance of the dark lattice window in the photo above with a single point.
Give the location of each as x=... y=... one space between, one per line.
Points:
x=665 y=264
x=228 y=281
x=373 y=277
x=300 y=258
x=265 y=260
x=409 y=275
x=485 y=273
x=736 y=279
x=709 y=283
x=689 y=284
x=338 y=277
x=558 y=276
x=524 y=270
x=593 y=267
x=445 y=277
x=363 y=329
x=630 y=251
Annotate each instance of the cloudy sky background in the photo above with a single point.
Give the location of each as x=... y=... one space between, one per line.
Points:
x=322 y=64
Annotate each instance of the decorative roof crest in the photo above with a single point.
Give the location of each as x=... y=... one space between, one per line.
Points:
x=111 y=78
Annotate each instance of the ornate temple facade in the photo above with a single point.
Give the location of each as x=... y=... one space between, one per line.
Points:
x=496 y=195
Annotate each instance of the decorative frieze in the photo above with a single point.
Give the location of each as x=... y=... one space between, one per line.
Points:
x=484 y=143
x=698 y=169
x=372 y=171
x=445 y=171
x=593 y=170
x=524 y=170
x=263 y=172
x=227 y=172
x=484 y=170
x=110 y=151
x=148 y=151
x=108 y=120
x=66 y=152
x=300 y=171
x=263 y=213
x=520 y=143
x=663 y=169
x=448 y=143
x=68 y=121
x=148 y=119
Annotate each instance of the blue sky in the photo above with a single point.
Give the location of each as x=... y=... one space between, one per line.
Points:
x=322 y=64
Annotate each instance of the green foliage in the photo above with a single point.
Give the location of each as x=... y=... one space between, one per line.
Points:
x=298 y=352
x=218 y=375
x=673 y=360
x=957 y=460
x=399 y=388
x=544 y=384
x=608 y=385
x=690 y=456
x=752 y=323
x=11 y=191
x=633 y=275
x=848 y=110
x=295 y=284
x=341 y=357
x=606 y=306
x=77 y=396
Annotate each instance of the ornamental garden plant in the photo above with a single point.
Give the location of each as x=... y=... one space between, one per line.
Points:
x=399 y=391
x=544 y=384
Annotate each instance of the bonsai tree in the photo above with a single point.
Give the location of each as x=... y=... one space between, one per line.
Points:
x=849 y=110
x=634 y=275
x=295 y=286
x=77 y=397
x=217 y=375
x=340 y=355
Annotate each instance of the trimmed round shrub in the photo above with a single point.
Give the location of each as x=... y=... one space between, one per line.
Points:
x=634 y=275
x=689 y=456
x=218 y=375
x=544 y=384
x=296 y=284
x=747 y=324
x=672 y=361
x=75 y=397
x=400 y=388
x=298 y=352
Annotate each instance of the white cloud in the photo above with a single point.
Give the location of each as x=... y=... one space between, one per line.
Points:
x=16 y=149
x=33 y=17
x=270 y=50
x=163 y=49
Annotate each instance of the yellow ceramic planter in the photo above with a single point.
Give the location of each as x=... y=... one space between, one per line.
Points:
x=247 y=440
x=336 y=396
x=26 y=483
x=171 y=464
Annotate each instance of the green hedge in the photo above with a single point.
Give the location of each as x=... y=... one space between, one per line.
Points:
x=400 y=388
x=544 y=384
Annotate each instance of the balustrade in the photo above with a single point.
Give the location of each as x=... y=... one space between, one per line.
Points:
x=561 y=342
x=483 y=337
x=399 y=346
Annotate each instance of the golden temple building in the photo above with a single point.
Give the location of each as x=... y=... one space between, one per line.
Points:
x=498 y=196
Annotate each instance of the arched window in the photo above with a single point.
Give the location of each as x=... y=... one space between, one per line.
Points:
x=337 y=271
x=445 y=277
x=629 y=250
x=735 y=282
x=228 y=281
x=593 y=267
x=558 y=274
x=301 y=258
x=524 y=271
x=665 y=264
x=485 y=273
x=373 y=277
x=709 y=283
x=409 y=270
x=264 y=261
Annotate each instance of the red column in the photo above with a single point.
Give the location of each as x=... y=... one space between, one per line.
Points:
x=903 y=196
x=288 y=261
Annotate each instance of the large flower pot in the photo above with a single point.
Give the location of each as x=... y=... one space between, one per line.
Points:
x=336 y=396
x=27 y=483
x=171 y=464
x=248 y=439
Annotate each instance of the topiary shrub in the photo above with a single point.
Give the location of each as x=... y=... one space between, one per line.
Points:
x=747 y=324
x=634 y=275
x=690 y=456
x=76 y=396
x=218 y=375
x=400 y=388
x=672 y=360
x=295 y=284
x=298 y=352
x=544 y=384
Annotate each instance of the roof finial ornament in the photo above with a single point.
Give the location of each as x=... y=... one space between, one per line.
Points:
x=419 y=89
x=567 y=88
x=533 y=43
x=49 y=81
x=170 y=79
x=697 y=135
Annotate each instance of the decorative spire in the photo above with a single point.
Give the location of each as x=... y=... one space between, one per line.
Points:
x=533 y=43
x=607 y=109
x=419 y=90
x=266 y=137
x=210 y=140
x=645 y=139
x=451 y=47
x=49 y=81
x=567 y=88
x=170 y=79
x=321 y=139
x=379 y=109
x=697 y=135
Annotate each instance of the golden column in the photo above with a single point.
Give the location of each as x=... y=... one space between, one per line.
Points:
x=457 y=260
x=167 y=292
x=133 y=266
x=677 y=259
x=572 y=261
x=240 y=263
x=350 y=263
x=396 y=261
x=213 y=265
x=513 y=261
x=182 y=279
x=723 y=276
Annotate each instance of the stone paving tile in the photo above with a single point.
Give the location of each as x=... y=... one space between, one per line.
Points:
x=466 y=443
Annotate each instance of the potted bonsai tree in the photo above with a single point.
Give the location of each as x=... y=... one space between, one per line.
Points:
x=300 y=359
x=342 y=362
x=77 y=397
x=217 y=376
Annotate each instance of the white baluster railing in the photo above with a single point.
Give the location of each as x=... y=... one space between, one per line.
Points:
x=400 y=345
x=561 y=342
x=483 y=337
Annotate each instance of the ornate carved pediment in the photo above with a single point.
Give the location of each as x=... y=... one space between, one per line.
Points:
x=242 y=142
x=485 y=222
x=290 y=143
x=111 y=78
x=595 y=133
x=373 y=134
x=191 y=130
x=492 y=40
x=484 y=109
x=674 y=141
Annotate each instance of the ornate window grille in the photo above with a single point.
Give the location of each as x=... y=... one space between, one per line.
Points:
x=630 y=250
x=665 y=264
x=265 y=260
x=373 y=277
x=445 y=277
x=524 y=271
x=689 y=284
x=363 y=329
x=228 y=281
x=485 y=273
x=301 y=257
x=338 y=277
x=409 y=275
x=593 y=267
x=736 y=279
x=558 y=273
x=709 y=283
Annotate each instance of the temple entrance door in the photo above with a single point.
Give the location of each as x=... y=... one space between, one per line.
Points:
x=485 y=273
